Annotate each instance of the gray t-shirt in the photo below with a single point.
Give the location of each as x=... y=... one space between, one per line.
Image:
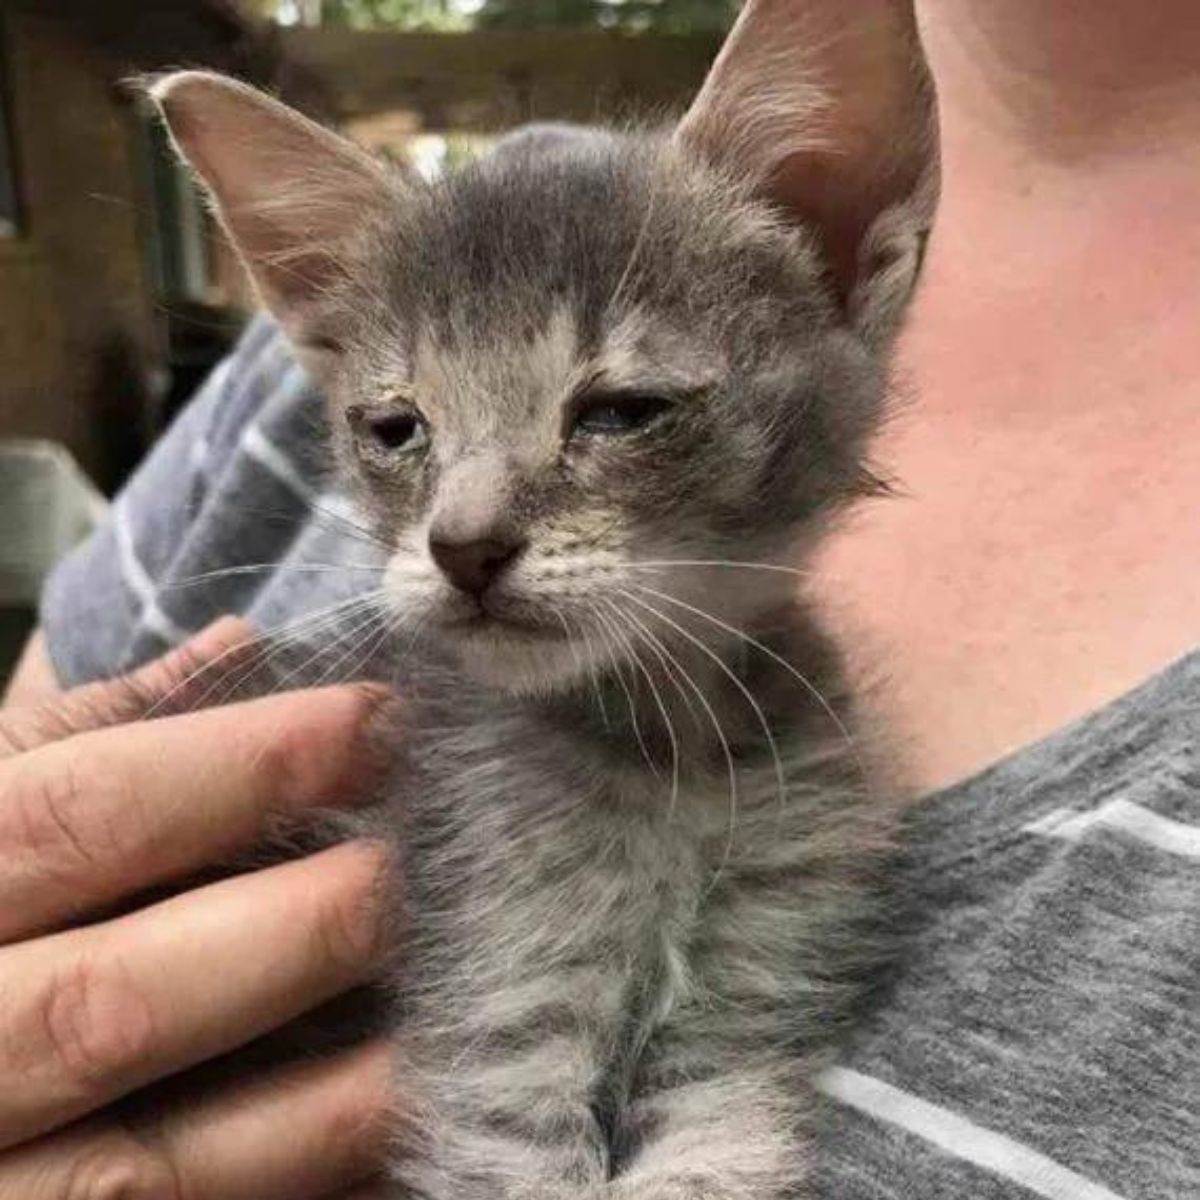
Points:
x=1042 y=1034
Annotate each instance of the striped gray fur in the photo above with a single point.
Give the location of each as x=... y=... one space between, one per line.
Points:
x=599 y=985
x=639 y=854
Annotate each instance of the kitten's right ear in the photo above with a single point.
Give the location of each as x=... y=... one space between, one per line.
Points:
x=297 y=200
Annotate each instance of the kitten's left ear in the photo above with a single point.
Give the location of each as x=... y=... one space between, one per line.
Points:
x=827 y=109
x=298 y=201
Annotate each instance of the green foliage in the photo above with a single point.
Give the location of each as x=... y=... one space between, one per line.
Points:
x=686 y=16
x=535 y=14
x=665 y=16
x=393 y=14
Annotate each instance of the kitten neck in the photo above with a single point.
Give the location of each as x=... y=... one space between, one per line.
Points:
x=783 y=684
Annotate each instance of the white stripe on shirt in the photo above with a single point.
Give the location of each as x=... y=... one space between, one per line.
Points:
x=139 y=582
x=198 y=456
x=255 y=445
x=959 y=1137
x=1161 y=832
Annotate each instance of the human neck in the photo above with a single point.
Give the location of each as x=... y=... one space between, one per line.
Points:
x=1058 y=81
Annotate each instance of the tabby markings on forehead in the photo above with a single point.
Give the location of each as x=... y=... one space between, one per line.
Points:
x=646 y=354
x=484 y=385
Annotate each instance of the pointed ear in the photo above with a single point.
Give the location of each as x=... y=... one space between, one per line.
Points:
x=827 y=109
x=298 y=202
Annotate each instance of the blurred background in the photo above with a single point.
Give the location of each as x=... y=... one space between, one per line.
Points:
x=117 y=296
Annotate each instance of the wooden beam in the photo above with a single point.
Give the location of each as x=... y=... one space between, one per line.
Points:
x=485 y=81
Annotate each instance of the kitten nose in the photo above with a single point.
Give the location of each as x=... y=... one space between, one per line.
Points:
x=472 y=565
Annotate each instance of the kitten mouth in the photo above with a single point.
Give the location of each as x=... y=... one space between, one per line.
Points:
x=487 y=617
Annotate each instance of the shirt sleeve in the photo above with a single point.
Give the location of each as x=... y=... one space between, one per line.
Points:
x=102 y=608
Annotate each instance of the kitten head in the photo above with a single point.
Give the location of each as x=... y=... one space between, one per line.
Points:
x=572 y=377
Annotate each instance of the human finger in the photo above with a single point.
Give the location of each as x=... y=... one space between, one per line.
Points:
x=298 y=1133
x=127 y=698
x=87 y=821
x=95 y=1013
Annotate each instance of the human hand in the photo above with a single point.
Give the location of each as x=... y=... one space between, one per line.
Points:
x=96 y=807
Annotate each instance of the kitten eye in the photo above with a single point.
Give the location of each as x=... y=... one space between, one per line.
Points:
x=612 y=416
x=391 y=433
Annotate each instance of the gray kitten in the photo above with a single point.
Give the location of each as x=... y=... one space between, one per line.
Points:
x=597 y=390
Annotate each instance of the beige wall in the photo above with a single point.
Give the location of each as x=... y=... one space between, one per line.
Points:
x=78 y=331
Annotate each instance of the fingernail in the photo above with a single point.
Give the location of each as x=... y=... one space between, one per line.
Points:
x=378 y=746
x=375 y=695
x=224 y=634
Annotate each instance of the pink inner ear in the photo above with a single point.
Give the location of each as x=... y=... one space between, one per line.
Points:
x=294 y=197
x=827 y=107
x=840 y=203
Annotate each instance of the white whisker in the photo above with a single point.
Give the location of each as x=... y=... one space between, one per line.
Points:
x=807 y=684
x=360 y=635
x=654 y=640
x=631 y=648
x=666 y=563
x=780 y=778
x=609 y=646
x=274 y=645
x=268 y=568
x=323 y=518
x=368 y=603
x=592 y=673
x=319 y=616
x=584 y=665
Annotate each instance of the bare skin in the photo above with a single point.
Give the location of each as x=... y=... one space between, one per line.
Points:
x=94 y=806
x=34 y=681
x=1042 y=558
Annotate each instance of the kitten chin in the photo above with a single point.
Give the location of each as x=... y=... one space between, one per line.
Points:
x=519 y=662
x=516 y=644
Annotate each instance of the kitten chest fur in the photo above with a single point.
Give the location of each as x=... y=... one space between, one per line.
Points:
x=591 y=948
